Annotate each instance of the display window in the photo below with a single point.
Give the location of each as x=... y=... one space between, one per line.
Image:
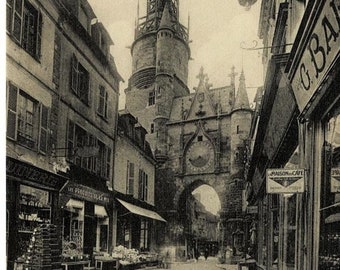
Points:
x=329 y=244
x=34 y=209
x=73 y=227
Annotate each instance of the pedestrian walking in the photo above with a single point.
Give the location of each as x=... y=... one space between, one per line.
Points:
x=196 y=253
x=206 y=253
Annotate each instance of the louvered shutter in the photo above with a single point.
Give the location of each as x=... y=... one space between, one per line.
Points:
x=39 y=29
x=12 y=115
x=17 y=20
x=43 y=133
x=74 y=74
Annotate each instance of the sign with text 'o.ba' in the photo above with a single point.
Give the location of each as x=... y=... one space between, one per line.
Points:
x=285 y=181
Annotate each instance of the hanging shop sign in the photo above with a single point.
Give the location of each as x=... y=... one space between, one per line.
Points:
x=322 y=47
x=285 y=181
x=335 y=180
x=86 y=193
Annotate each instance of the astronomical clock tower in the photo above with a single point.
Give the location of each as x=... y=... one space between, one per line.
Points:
x=197 y=137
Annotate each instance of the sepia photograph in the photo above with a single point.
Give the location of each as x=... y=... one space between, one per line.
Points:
x=171 y=134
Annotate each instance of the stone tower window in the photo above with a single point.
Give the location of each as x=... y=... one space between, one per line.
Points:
x=151 y=98
x=152 y=128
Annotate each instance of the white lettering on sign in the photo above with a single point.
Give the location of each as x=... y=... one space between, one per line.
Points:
x=321 y=49
x=285 y=181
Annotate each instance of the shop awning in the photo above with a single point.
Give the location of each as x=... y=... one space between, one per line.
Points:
x=141 y=211
x=100 y=211
x=333 y=218
x=73 y=204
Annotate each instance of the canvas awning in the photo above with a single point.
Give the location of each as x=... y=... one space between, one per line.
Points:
x=73 y=204
x=333 y=218
x=141 y=211
x=100 y=211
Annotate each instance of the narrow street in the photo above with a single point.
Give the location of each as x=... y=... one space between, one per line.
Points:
x=210 y=264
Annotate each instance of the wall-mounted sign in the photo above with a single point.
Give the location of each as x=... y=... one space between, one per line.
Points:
x=335 y=180
x=29 y=173
x=322 y=47
x=285 y=181
x=86 y=193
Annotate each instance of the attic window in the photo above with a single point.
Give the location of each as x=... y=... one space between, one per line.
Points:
x=200 y=138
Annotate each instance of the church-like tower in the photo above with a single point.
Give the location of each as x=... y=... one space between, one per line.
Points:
x=160 y=56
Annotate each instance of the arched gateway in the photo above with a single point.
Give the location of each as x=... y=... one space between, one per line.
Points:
x=196 y=137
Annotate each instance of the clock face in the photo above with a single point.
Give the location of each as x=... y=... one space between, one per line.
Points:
x=199 y=156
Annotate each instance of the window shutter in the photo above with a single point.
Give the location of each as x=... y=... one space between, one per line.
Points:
x=140 y=185
x=74 y=74
x=101 y=100
x=127 y=176
x=43 y=133
x=12 y=115
x=17 y=19
x=39 y=29
x=105 y=104
x=146 y=188
x=131 y=177
x=70 y=140
x=9 y=15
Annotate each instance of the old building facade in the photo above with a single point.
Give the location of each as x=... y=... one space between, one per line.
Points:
x=197 y=138
x=135 y=186
x=62 y=101
x=296 y=128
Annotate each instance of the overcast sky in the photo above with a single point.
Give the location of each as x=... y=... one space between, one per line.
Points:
x=217 y=28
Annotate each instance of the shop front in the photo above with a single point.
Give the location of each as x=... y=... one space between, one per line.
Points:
x=275 y=141
x=314 y=73
x=32 y=201
x=86 y=222
x=136 y=233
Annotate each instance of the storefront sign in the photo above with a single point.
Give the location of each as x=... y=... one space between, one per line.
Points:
x=31 y=173
x=322 y=48
x=335 y=180
x=86 y=193
x=285 y=181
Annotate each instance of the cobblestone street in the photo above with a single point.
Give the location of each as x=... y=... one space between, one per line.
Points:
x=210 y=264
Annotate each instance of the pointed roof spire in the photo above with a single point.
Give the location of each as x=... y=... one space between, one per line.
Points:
x=242 y=101
x=166 y=22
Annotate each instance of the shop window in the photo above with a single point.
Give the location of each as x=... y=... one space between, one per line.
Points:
x=143 y=186
x=130 y=178
x=24 y=25
x=80 y=80
x=34 y=209
x=329 y=246
x=152 y=99
x=102 y=102
x=27 y=120
x=144 y=235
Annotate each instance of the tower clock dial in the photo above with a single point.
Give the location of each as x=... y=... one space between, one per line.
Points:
x=199 y=156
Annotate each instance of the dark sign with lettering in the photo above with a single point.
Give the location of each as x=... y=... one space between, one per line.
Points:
x=322 y=48
x=86 y=193
x=27 y=172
